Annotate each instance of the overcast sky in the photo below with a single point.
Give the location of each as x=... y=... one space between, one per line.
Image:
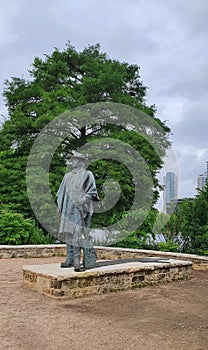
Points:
x=168 y=39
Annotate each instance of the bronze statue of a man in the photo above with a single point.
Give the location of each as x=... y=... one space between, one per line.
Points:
x=75 y=198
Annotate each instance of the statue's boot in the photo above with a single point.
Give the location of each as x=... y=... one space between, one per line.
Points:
x=69 y=257
x=77 y=267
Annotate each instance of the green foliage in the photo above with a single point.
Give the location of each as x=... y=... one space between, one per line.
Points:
x=132 y=241
x=15 y=229
x=189 y=224
x=139 y=239
x=169 y=246
x=12 y=180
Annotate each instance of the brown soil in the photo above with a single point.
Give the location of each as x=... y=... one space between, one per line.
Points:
x=171 y=316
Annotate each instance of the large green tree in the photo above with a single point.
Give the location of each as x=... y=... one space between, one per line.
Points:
x=59 y=82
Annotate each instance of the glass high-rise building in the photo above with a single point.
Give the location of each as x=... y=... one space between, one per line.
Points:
x=202 y=179
x=170 y=193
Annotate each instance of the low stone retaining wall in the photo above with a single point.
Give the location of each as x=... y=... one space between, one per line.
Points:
x=124 y=253
x=32 y=251
x=48 y=250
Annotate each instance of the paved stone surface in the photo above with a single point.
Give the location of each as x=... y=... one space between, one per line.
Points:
x=107 y=266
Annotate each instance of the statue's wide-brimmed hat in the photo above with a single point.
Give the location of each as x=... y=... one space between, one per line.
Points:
x=77 y=155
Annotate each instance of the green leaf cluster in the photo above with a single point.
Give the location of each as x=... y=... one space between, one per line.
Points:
x=169 y=246
x=189 y=224
x=15 y=229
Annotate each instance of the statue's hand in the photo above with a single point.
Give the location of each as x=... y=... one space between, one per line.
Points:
x=82 y=201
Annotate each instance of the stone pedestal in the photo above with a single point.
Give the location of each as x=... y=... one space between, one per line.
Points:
x=107 y=276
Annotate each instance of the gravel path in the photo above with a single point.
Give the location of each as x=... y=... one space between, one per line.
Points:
x=173 y=316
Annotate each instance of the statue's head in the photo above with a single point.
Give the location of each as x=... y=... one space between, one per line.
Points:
x=78 y=160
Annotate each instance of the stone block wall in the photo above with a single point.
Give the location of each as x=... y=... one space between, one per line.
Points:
x=98 y=282
x=32 y=251
x=48 y=250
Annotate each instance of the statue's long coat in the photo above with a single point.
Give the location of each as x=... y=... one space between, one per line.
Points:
x=76 y=186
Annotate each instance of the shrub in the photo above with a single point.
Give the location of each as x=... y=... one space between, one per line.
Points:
x=168 y=246
x=15 y=229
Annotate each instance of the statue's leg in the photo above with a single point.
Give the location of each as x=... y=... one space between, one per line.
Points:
x=89 y=253
x=77 y=266
x=69 y=257
x=89 y=257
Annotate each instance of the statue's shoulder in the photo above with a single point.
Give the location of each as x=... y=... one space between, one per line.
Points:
x=89 y=174
x=67 y=176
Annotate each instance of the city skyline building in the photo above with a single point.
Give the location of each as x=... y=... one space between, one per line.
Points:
x=170 y=192
x=202 y=178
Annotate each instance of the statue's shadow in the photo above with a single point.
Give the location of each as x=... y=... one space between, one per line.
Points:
x=130 y=260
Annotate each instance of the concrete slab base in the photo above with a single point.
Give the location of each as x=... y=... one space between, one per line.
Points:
x=106 y=276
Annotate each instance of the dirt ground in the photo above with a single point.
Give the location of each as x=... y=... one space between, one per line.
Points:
x=171 y=316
